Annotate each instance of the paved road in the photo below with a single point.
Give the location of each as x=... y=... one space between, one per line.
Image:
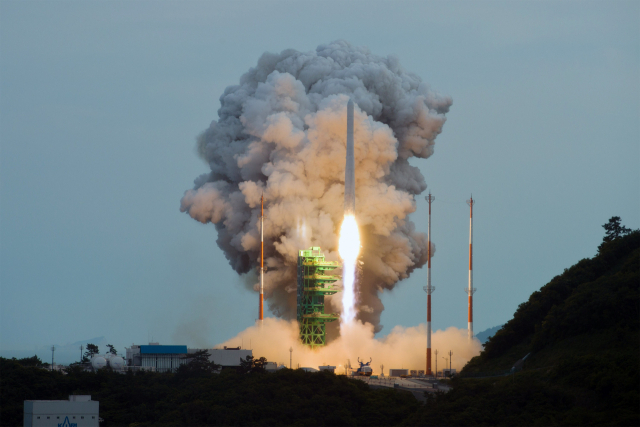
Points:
x=416 y=386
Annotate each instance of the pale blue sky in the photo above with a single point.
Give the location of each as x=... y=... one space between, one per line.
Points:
x=100 y=103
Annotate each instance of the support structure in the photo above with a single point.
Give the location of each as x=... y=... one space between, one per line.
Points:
x=313 y=285
x=261 y=309
x=471 y=290
x=436 y=363
x=429 y=289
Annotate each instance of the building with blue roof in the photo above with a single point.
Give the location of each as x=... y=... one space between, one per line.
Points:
x=167 y=358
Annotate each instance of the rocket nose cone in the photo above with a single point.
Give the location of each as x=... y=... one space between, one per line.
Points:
x=350 y=103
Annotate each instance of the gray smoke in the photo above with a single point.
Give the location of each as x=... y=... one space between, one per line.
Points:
x=282 y=131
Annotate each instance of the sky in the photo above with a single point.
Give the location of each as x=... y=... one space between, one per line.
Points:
x=101 y=102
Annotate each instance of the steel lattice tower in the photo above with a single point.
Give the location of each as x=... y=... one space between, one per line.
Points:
x=313 y=285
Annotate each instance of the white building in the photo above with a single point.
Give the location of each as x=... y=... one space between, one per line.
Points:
x=167 y=358
x=78 y=411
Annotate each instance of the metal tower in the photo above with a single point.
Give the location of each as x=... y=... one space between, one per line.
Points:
x=313 y=285
x=429 y=289
x=471 y=290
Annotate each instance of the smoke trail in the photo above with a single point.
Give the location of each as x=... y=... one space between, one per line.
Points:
x=281 y=130
x=397 y=350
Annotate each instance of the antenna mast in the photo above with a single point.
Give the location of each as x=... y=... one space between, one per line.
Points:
x=429 y=289
x=471 y=290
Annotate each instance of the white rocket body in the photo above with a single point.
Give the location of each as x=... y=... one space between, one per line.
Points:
x=350 y=168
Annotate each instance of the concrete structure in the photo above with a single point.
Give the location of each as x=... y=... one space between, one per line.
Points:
x=329 y=368
x=167 y=358
x=429 y=289
x=398 y=372
x=162 y=358
x=448 y=372
x=471 y=290
x=229 y=357
x=78 y=411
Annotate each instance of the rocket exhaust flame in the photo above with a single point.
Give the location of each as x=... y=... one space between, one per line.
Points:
x=349 y=250
x=349 y=245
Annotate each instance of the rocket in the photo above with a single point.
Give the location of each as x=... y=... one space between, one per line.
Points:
x=350 y=168
x=261 y=306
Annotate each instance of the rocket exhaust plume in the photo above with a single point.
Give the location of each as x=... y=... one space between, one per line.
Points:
x=280 y=132
x=349 y=245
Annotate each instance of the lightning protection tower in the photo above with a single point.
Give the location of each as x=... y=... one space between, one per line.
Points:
x=313 y=285
x=471 y=290
x=429 y=289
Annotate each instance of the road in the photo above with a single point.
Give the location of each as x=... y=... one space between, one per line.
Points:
x=414 y=385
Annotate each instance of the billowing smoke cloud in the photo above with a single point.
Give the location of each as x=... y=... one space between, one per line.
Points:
x=282 y=132
x=399 y=349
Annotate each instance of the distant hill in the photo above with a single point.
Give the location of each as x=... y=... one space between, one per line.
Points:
x=487 y=333
x=65 y=354
x=581 y=332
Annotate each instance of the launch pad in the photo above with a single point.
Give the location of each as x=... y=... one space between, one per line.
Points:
x=313 y=285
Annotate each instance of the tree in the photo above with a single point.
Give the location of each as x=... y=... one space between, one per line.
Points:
x=91 y=351
x=614 y=229
x=112 y=349
x=30 y=361
x=249 y=364
x=198 y=365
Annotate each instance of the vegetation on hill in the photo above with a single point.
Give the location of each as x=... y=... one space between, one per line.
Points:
x=582 y=334
x=198 y=397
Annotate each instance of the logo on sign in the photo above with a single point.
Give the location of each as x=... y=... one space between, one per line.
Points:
x=66 y=423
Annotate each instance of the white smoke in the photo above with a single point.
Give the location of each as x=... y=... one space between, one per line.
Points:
x=282 y=132
x=399 y=349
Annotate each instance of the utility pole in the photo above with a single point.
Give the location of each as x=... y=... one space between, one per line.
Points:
x=53 y=350
x=80 y=353
x=450 y=358
x=429 y=289
x=471 y=290
x=290 y=356
x=436 y=363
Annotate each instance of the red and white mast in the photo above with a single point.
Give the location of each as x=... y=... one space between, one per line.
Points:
x=471 y=290
x=429 y=289
x=261 y=310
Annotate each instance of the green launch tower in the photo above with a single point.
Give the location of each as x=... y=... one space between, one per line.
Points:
x=313 y=284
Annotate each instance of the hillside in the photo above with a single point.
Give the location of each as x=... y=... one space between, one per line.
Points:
x=287 y=397
x=582 y=334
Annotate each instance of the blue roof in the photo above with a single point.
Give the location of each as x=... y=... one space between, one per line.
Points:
x=163 y=349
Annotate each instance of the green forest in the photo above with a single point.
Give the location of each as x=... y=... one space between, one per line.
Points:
x=580 y=334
